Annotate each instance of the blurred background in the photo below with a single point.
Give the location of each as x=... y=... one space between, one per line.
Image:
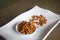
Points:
x=9 y=9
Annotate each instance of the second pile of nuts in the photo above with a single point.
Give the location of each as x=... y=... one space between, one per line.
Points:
x=39 y=20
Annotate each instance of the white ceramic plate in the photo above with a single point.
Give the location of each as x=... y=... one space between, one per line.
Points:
x=8 y=31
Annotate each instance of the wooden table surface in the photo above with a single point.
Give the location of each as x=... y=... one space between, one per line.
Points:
x=9 y=9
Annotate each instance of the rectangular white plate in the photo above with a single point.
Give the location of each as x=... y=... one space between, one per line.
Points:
x=8 y=31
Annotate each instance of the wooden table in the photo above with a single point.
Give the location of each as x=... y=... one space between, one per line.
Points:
x=9 y=9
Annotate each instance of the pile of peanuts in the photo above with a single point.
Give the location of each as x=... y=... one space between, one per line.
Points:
x=28 y=27
x=40 y=20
